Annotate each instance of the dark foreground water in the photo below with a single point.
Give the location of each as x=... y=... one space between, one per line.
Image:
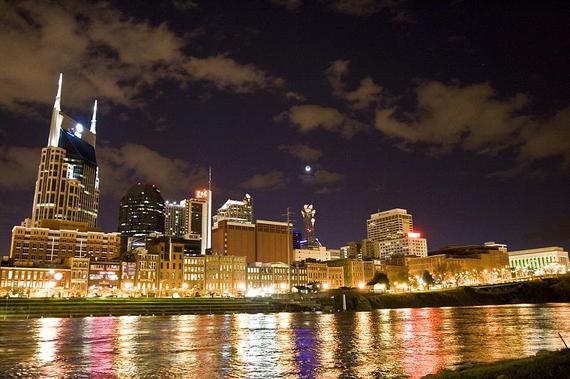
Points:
x=382 y=343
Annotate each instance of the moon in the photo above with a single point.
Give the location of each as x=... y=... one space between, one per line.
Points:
x=308 y=169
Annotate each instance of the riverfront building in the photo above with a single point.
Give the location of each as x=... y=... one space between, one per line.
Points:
x=551 y=259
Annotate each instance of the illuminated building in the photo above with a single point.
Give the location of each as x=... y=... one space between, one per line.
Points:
x=475 y=263
x=271 y=241
x=236 y=211
x=335 y=277
x=146 y=277
x=390 y=224
x=224 y=274
x=319 y=254
x=412 y=244
x=353 y=270
x=104 y=277
x=264 y=241
x=390 y=233
x=194 y=274
x=551 y=259
x=232 y=238
x=58 y=241
x=175 y=219
x=267 y=278
x=35 y=281
x=79 y=283
x=141 y=214
x=199 y=219
x=67 y=186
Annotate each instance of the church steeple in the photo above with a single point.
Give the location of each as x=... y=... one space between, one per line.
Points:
x=56 y=117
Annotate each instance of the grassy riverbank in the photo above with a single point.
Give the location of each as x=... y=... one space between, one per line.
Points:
x=36 y=308
x=551 y=290
x=553 y=365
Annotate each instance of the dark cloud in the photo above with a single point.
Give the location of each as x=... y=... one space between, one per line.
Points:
x=310 y=117
x=474 y=118
x=360 y=98
x=270 y=180
x=18 y=167
x=303 y=152
x=104 y=54
x=121 y=167
x=322 y=176
x=289 y=4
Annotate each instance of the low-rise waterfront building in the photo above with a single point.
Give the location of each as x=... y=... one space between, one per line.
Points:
x=552 y=259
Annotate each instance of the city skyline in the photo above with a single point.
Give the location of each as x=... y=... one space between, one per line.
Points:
x=247 y=119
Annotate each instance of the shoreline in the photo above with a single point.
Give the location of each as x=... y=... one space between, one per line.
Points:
x=544 y=364
x=541 y=291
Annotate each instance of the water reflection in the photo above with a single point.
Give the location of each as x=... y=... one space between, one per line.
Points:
x=384 y=343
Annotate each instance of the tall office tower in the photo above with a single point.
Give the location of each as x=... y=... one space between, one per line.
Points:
x=199 y=218
x=142 y=211
x=175 y=218
x=391 y=224
x=308 y=212
x=67 y=187
x=236 y=211
x=390 y=234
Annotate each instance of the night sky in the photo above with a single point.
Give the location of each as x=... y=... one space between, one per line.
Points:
x=457 y=111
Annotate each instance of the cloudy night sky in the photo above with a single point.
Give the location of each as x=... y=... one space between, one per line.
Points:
x=457 y=111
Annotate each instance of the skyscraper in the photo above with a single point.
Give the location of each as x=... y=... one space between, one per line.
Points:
x=66 y=198
x=199 y=218
x=67 y=186
x=394 y=223
x=175 y=218
x=390 y=234
x=236 y=211
x=142 y=211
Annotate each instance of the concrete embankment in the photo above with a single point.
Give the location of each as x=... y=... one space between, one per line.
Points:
x=549 y=364
x=36 y=308
x=551 y=290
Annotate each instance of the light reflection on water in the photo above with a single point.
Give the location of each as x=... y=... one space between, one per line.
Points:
x=382 y=343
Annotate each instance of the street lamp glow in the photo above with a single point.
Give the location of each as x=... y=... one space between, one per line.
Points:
x=308 y=169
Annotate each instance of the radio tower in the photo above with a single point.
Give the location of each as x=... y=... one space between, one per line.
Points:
x=308 y=213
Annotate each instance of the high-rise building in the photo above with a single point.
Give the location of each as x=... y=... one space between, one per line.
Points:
x=236 y=211
x=142 y=211
x=191 y=219
x=391 y=234
x=175 y=218
x=391 y=224
x=199 y=218
x=67 y=186
x=66 y=198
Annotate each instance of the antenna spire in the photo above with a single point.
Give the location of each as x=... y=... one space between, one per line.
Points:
x=94 y=119
x=56 y=117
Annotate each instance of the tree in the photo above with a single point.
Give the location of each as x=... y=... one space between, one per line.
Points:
x=428 y=279
x=379 y=278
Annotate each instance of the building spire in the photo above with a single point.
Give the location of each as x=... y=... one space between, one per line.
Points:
x=56 y=117
x=94 y=119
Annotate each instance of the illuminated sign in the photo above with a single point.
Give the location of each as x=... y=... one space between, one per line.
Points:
x=202 y=194
x=414 y=235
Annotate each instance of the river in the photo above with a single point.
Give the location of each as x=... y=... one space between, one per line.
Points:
x=382 y=343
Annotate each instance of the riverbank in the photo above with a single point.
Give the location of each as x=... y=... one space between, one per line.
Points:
x=550 y=290
x=549 y=364
x=38 y=308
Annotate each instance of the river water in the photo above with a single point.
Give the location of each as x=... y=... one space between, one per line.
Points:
x=382 y=343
